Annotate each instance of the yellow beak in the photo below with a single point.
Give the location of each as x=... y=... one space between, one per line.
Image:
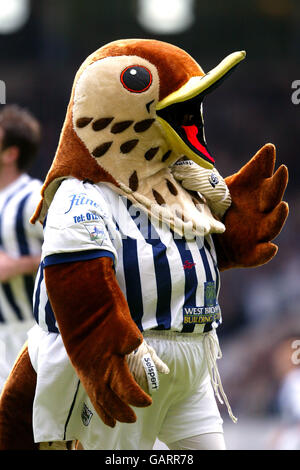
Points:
x=196 y=86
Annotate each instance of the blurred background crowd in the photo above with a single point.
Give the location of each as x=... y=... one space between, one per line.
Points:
x=41 y=48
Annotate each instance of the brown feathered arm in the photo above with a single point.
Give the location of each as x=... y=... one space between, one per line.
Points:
x=257 y=213
x=97 y=331
x=16 y=404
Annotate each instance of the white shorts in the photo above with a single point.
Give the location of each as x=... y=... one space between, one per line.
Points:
x=184 y=405
x=12 y=339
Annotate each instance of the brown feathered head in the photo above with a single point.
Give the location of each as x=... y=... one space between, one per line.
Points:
x=135 y=109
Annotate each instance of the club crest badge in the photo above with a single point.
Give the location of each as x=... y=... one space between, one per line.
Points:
x=210 y=294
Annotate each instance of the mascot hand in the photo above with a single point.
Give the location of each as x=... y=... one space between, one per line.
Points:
x=257 y=213
x=98 y=333
x=209 y=183
x=144 y=364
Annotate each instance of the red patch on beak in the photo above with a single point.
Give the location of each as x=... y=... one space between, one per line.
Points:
x=191 y=134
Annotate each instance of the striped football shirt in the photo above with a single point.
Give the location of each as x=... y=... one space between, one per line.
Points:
x=19 y=238
x=169 y=283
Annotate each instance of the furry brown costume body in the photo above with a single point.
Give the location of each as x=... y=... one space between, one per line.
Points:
x=255 y=217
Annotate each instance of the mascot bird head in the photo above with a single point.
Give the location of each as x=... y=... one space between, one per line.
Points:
x=135 y=109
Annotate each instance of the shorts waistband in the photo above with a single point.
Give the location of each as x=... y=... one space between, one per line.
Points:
x=169 y=335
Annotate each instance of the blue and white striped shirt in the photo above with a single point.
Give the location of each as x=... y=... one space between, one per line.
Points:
x=169 y=283
x=19 y=238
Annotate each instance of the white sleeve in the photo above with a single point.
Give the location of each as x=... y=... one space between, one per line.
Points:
x=77 y=224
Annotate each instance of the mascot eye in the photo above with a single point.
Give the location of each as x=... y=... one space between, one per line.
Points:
x=136 y=78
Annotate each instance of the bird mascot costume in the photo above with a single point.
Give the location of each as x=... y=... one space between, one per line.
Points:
x=138 y=223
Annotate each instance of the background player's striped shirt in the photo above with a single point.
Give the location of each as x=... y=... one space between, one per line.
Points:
x=19 y=238
x=169 y=283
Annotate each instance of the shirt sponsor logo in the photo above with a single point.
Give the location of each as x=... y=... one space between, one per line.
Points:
x=88 y=217
x=201 y=315
x=81 y=199
x=209 y=312
x=188 y=265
